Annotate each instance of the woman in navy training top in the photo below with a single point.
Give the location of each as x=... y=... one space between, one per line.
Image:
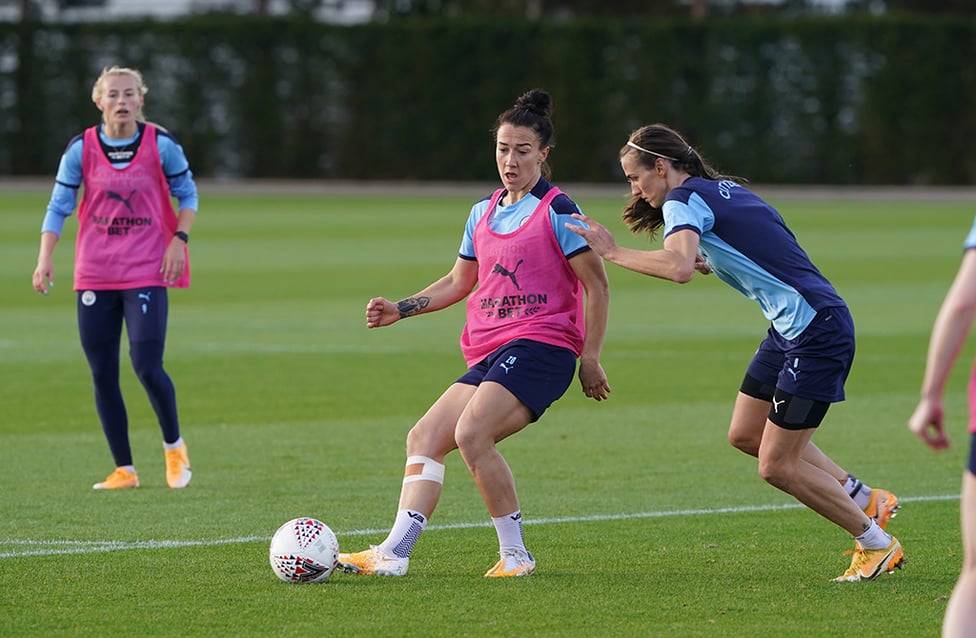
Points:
x=713 y=224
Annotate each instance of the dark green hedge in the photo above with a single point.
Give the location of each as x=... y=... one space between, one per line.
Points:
x=825 y=100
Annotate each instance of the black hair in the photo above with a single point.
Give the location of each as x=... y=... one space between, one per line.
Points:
x=533 y=109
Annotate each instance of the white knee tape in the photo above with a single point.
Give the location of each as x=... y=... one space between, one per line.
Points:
x=422 y=468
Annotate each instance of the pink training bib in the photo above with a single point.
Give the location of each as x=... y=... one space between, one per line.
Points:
x=526 y=287
x=126 y=219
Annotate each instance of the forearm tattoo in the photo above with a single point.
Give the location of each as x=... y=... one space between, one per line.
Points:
x=412 y=306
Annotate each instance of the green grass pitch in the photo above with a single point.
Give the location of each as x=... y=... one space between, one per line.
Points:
x=644 y=521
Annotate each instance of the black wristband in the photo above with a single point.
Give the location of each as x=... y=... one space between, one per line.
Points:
x=183 y=236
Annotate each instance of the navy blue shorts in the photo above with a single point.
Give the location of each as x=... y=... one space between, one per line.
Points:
x=101 y=312
x=536 y=373
x=972 y=453
x=813 y=366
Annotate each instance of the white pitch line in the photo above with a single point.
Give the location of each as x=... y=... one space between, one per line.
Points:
x=64 y=547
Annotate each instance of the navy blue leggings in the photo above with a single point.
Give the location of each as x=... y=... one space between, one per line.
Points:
x=100 y=317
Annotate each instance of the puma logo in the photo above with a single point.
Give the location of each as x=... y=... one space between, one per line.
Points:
x=509 y=273
x=124 y=200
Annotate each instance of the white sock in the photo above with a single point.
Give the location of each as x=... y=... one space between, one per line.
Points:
x=509 y=530
x=174 y=445
x=129 y=468
x=858 y=491
x=874 y=538
x=405 y=533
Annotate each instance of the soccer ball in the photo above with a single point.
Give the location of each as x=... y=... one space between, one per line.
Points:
x=304 y=550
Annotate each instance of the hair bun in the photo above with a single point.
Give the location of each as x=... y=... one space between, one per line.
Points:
x=537 y=101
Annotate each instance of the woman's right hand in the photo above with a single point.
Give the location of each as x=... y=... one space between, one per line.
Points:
x=43 y=276
x=380 y=312
x=927 y=422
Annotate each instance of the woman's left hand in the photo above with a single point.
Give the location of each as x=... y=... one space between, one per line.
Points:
x=174 y=261
x=594 y=381
x=702 y=266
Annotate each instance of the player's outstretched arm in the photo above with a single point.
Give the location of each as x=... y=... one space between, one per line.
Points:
x=446 y=291
x=674 y=262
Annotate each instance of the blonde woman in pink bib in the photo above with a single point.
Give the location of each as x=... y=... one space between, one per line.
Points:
x=537 y=300
x=131 y=248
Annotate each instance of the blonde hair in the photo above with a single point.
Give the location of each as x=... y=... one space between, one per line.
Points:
x=120 y=70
